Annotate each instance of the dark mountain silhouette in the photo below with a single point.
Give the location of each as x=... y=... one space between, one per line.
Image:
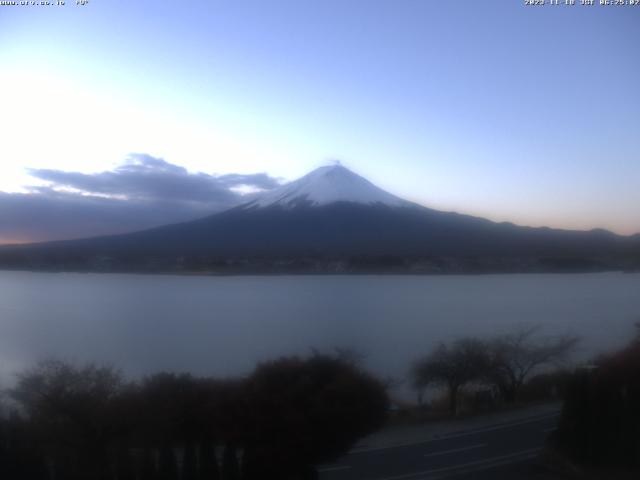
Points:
x=335 y=220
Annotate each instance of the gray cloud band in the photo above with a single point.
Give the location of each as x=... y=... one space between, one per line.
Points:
x=141 y=193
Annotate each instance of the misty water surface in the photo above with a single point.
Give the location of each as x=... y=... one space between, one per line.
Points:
x=224 y=325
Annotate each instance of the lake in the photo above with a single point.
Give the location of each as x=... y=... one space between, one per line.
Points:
x=224 y=325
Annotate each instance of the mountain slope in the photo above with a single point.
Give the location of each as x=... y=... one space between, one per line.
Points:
x=334 y=219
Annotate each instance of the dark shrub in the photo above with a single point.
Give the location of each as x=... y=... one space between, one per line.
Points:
x=308 y=411
x=600 y=423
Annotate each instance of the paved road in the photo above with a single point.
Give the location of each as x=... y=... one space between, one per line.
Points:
x=493 y=452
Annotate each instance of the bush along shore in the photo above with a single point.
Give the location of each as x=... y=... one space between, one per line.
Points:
x=86 y=422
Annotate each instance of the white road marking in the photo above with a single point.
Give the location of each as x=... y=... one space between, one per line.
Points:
x=457 y=435
x=333 y=469
x=455 y=450
x=477 y=465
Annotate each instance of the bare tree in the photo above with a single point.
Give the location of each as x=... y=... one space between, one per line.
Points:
x=514 y=357
x=454 y=366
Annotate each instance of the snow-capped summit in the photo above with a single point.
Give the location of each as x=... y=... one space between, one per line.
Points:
x=326 y=185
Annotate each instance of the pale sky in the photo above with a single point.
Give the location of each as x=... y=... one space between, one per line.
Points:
x=525 y=114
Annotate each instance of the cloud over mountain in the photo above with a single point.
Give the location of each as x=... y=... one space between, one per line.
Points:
x=142 y=192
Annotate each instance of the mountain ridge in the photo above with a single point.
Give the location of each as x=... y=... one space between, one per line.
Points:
x=333 y=220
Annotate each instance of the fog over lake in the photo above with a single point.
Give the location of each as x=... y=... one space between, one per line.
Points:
x=224 y=325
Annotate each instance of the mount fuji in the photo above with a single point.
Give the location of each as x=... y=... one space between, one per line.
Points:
x=333 y=220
